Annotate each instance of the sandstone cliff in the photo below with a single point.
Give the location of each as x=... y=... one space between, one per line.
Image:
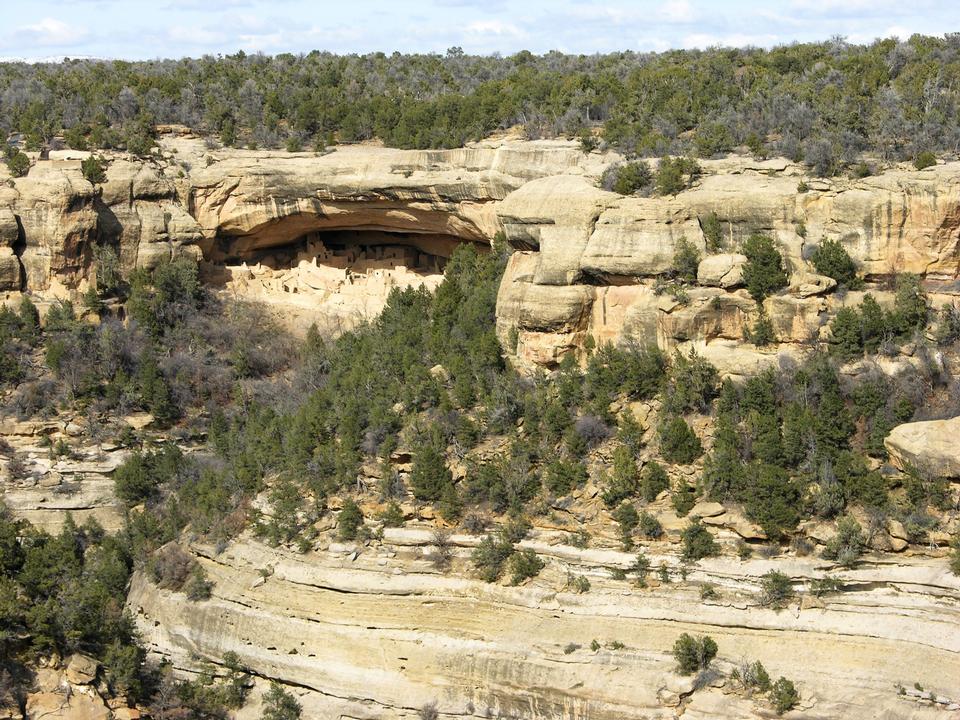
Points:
x=376 y=632
x=588 y=261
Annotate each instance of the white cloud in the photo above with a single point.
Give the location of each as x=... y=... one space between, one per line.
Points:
x=676 y=11
x=193 y=35
x=497 y=28
x=52 y=32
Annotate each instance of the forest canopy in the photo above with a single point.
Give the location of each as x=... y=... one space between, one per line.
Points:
x=825 y=103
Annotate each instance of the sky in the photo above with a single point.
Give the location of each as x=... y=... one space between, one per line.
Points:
x=131 y=29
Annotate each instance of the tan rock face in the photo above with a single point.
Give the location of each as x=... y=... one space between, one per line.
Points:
x=590 y=259
x=932 y=446
x=375 y=632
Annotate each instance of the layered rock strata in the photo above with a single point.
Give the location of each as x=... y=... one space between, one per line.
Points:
x=376 y=632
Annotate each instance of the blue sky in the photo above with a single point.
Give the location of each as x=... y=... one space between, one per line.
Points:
x=175 y=28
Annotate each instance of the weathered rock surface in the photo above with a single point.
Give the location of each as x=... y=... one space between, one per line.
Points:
x=591 y=258
x=931 y=446
x=376 y=632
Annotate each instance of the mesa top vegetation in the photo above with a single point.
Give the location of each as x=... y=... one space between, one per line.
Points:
x=825 y=103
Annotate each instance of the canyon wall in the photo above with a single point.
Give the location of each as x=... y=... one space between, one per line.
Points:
x=589 y=265
x=375 y=631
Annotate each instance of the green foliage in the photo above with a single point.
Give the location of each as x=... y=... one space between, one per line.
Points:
x=198 y=587
x=686 y=260
x=783 y=696
x=846 y=334
x=675 y=174
x=712 y=231
x=430 y=475
x=490 y=557
x=772 y=499
x=910 y=305
x=754 y=676
x=826 y=585
x=693 y=383
x=683 y=499
x=694 y=654
x=636 y=372
x=925 y=159
x=762 y=333
x=653 y=481
x=955 y=556
x=17 y=162
x=278 y=704
x=623 y=481
x=561 y=476
x=643 y=102
x=848 y=544
x=94 y=169
x=627 y=518
x=349 y=520
x=697 y=542
x=524 y=564
x=830 y=258
x=141 y=474
x=678 y=442
x=775 y=589
x=763 y=272
x=628 y=178
x=649 y=527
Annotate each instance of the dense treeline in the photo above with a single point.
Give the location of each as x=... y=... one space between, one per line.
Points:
x=825 y=103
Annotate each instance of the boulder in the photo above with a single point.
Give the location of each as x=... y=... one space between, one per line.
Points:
x=804 y=284
x=81 y=669
x=930 y=446
x=724 y=270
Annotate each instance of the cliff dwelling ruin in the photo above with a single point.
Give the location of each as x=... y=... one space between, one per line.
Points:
x=335 y=278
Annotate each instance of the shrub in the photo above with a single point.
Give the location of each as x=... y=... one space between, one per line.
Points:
x=430 y=474
x=678 y=442
x=627 y=518
x=848 y=544
x=826 y=585
x=18 y=163
x=653 y=481
x=693 y=383
x=349 y=520
x=580 y=584
x=697 y=542
x=628 y=178
x=490 y=556
x=392 y=515
x=683 y=498
x=686 y=260
x=830 y=258
x=641 y=567
x=924 y=159
x=763 y=272
x=846 y=334
x=955 y=556
x=775 y=589
x=676 y=174
x=783 y=696
x=712 y=230
x=649 y=526
x=278 y=704
x=762 y=333
x=524 y=564
x=694 y=654
x=622 y=482
x=198 y=587
x=170 y=567
x=753 y=676
x=94 y=169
